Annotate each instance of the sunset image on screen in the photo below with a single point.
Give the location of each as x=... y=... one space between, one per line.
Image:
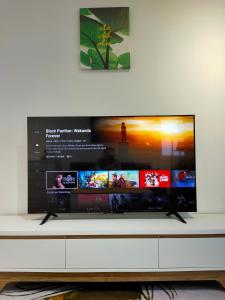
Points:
x=148 y=132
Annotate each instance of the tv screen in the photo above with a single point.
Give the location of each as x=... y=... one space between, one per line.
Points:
x=111 y=164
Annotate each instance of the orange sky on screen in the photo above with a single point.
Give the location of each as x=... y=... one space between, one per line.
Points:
x=149 y=131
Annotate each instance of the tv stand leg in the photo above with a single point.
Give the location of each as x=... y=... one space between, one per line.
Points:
x=176 y=215
x=47 y=217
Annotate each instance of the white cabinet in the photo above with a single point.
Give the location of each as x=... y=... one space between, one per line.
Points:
x=192 y=253
x=33 y=254
x=93 y=250
x=112 y=253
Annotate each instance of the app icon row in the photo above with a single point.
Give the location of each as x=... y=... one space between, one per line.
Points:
x=120 y=179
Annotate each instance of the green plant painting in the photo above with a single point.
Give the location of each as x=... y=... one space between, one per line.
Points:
x=104 y=36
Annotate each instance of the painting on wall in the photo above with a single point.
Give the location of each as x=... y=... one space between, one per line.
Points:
x=104 y=37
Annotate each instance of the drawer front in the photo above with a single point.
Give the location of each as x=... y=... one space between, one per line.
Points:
x=112 y=253
x=32 y=254
x=192 y=253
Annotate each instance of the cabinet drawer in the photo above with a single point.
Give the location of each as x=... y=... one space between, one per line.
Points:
x=112 y=253
x=192 y=253
x=32 y=254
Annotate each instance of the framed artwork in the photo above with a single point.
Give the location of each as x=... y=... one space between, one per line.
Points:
x=104 y=37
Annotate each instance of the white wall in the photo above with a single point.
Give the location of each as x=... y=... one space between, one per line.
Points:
x=178 y=67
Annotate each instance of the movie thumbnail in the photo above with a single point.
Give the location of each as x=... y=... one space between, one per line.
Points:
x=61 y=180
x=123 y=179
x=123 y=202
x=155 y=179
x=92 y=202
x=183 y=178
x=184 y=199
x=59 y=203
x=156 y=199
x=152 y=201
x=93 y=179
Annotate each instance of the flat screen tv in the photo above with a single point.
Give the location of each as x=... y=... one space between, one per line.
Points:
x=106 y=164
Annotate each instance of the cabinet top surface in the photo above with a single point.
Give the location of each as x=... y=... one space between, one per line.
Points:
x=152 y=224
